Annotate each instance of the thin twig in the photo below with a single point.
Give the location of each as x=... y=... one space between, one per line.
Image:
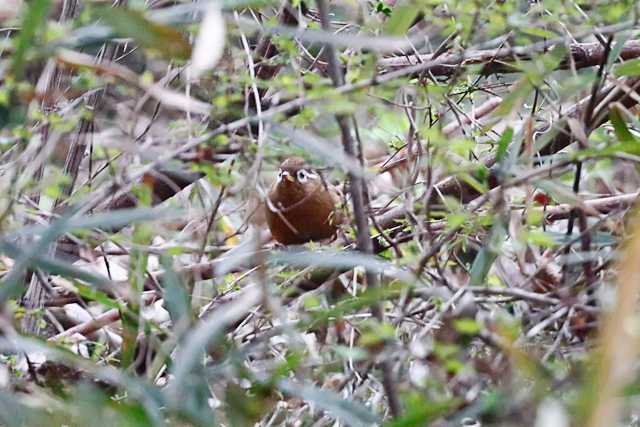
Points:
x=358 y=198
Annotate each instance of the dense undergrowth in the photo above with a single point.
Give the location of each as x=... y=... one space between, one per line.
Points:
x=487 y=154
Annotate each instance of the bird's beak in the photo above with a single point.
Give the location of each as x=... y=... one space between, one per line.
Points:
x=290 y=178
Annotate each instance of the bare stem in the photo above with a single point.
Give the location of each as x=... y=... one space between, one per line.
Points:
x=357 y=191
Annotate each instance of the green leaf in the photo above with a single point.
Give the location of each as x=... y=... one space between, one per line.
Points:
x=487 y=255
x=188 y=360
x=381 y=7
x=350 y=413
x=99 y=297
x=130 y=317
x=175 y=295
x=11 y=285
x=15 y=413
x=148 y=395
x=538 y=32
x=466 y=326
x=340 y=259
x=401 y=19
x=628 y=68
x=33 y=23
x=620 y=127
x=354 y=353
x=163 y=39
x=503 y=144
x=38 y=254
x=456 y=220
x=105 y=221
x=631 y=390
x=419 y=414
x=481 y=266
x=473 y=182
x=617 y=47
x=540 y=238
x=512 y=103
x=375 y=333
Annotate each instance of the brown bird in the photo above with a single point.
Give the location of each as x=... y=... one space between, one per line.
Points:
x=301 y=207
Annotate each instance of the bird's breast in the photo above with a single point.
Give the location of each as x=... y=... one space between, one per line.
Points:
x=296 y=220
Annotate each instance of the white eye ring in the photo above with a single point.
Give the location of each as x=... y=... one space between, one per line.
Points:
x=302 y=176
x=279 y=175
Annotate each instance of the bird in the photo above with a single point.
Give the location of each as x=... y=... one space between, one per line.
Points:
x=301 y=207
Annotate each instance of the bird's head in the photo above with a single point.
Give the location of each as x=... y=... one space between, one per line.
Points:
x=296 y=175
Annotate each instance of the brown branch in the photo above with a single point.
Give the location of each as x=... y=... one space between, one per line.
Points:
x=612 y=93
x=494 y=61
x=106 y=318
x=602 y=205
x=164 y=184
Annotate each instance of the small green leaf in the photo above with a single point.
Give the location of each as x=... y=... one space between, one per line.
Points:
x=455 y=220
x=540 y=238
x=175 y=295
x=538 y=32
x=466 y=326
x=377 y=333
x=620 y=127
x=401 y=19
x=422 y=411
x=350 y=413
x=166 y=40
x=353 y=353
x=503 y=144
x=33 y=23
x=381 y=7
x=515 y=98
x=628 y=68
x=487 y=255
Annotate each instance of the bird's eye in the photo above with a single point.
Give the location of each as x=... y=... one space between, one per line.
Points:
x=279 y=175
x=302 y=176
